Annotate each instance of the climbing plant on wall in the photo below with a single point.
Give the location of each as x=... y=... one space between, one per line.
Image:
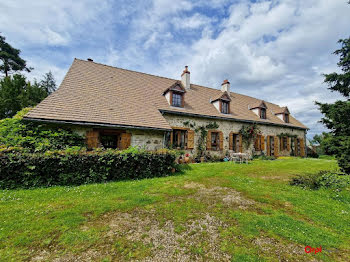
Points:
x=203 y=132
x=249 y=134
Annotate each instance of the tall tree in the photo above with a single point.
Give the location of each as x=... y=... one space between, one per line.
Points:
x=16 y=93
x=337 y=115
x=48 y=83
x=11 y=61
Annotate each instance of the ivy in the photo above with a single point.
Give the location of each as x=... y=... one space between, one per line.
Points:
x=203 y=133
x=287 y=135
x=249 y=134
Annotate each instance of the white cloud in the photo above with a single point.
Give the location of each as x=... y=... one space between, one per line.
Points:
x=276 y=50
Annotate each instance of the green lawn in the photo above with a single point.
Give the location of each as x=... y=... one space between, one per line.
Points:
x=211 y=211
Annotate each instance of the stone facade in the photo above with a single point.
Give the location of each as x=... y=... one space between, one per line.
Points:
x=231 y=126
x=153 y=140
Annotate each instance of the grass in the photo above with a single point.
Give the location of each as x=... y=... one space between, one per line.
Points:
x=211 y=211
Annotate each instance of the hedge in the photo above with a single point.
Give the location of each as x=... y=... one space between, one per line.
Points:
x=27 y=170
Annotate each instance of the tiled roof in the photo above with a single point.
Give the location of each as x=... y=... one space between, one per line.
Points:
x=100 y=94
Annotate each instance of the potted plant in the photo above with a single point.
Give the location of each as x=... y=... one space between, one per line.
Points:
x=187 y=158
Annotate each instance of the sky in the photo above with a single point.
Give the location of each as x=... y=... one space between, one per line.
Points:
x=272 y=50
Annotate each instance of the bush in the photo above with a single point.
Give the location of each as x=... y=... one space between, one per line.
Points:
x=35 y=137
x=323 y=179
x=264 y=157
x=76 y=167
x=312 y=154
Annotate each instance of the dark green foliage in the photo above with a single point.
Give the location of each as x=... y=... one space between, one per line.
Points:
x=27 y=170
x=249 y=134
x=312 y=154
x=323 y=179
x=337 y=115
x=35 y=137
x=16 y=93
x=48 y=83
x=9 y=56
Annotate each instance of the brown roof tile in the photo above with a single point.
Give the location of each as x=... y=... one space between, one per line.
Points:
x=96 y=93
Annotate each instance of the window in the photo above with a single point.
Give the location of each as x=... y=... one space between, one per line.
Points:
x=225 y=107
x=109 y=141
x=179 y=139
x=286 y=118
x=215 y=141
x=283 y=143
x=263 y=113
x=177 y=100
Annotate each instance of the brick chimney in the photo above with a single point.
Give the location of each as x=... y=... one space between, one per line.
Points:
x=185 y=78
x=225 y=86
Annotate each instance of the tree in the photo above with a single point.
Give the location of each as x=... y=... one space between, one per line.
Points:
x=48 y=83
x=16 y=93
x=337 y=115
x=11 y=61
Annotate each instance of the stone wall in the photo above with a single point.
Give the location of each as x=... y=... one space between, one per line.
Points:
x=230 y=126
x=148 y=139
x=153 y=140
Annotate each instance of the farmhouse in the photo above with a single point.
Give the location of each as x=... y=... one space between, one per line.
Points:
x=118 y=108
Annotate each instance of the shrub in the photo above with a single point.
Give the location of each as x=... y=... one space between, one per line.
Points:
x=76 y=167
x=264 y=157
x=312 y=154
x=323 y=179
x=35 y=137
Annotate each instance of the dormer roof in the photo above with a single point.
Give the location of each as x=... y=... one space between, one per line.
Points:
x=258 y=104
x=177 y=87
x=223 y=96
x=282 y=110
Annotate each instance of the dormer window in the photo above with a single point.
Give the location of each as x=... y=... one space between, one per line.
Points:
x=176 y=99
x=222 y=103
x=259 y=108
x=286 y=118
x=175 y=94
x=263 y=113
x=283 y=114
x=225 y=107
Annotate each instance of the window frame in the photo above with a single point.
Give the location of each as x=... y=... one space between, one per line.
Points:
x=225 y=105
x=216 y=146
x=177 y=136
x=286 y=117
x=262 y=109
x=174 y=94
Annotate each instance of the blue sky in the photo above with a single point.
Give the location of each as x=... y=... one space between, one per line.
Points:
x=273 y=50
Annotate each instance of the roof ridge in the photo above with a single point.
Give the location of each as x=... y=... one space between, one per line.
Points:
x=115 y=67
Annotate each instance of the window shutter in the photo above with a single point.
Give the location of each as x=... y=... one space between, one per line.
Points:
x=276 y=146
x=209 y=140
x=262 y=143
x=92 y=139
x=171 y=138
x=288 y=143
x=281 y=143
x=221 y=143
x=182 y=100
x=302 y=148
x=296 y=146
x=230 y=141
x=190 y=139
x=125 y=140
x=171 y=98
x=240 y=143
x=268 y=146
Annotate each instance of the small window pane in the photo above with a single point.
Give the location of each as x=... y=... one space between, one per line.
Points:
x=177 y=100
x=224 y=107
x=263 y=113
x=286 y=118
